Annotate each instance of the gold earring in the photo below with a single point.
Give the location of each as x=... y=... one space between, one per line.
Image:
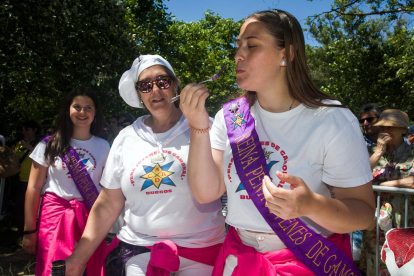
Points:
x=142 y=102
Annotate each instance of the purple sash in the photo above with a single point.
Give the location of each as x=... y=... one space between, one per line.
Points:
x=316 y=252
x=80 y=176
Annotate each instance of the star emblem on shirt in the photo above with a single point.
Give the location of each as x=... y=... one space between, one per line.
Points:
x=157 y=175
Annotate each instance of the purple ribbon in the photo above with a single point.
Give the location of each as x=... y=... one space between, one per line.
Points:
x=80 y=176
x=316 y=252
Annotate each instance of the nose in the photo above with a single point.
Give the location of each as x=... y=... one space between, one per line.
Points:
x=155 y=86
x=239 y=55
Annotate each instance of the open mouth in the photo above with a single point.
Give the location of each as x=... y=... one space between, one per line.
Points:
x=82 y=118
x=157 y=100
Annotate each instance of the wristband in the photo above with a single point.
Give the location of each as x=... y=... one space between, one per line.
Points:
x=58 y=268
x=199 y=130
x=29 y=232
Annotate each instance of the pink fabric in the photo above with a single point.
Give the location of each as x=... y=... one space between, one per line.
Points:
x=61 y=224
x=282 y=262
x=164 y=259
x=164 y=256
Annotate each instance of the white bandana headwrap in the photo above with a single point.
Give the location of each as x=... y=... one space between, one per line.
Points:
x=129 y=78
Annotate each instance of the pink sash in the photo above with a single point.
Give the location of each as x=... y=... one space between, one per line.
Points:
x=282 y=262
x=62 y=223
x=164 y=256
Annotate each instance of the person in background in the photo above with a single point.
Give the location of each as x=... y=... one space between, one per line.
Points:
x=66 y=190
x=50 y=131
x=114 y=127
x=31 y=129
x=319 y=174
x=409 y=139
x=392 y=162
x=105 y=131
x=125 y=120
x=2 y=140
x=368 y=116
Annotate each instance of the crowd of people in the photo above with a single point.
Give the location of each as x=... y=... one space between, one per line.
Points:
x=292 y=161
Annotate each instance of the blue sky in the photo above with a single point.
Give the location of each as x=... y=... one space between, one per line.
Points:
x=193 y=10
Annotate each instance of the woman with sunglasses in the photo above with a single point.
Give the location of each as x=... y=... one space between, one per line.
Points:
x=392 y=161
x=165 y=228
x=291 y=158
x=64 y=208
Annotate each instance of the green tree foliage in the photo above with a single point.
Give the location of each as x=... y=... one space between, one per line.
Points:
x=355 y=8
x=49 y=47
x=364 y=58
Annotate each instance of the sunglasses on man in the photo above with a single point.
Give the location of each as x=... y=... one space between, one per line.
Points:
x=368 y=119
x=146 y=86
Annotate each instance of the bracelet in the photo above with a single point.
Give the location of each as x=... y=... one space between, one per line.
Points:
x=199 y=130
x=58 y=268
x=29 y=232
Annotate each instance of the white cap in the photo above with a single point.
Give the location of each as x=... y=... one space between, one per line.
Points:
x=129 y=78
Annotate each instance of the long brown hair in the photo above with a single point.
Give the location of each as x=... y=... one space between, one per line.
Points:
x=59 y=144
x=288 y=34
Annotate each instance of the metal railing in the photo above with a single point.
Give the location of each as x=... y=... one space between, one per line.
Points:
x=379 y=189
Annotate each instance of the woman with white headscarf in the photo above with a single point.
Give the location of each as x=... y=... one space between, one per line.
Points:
x=165 y=228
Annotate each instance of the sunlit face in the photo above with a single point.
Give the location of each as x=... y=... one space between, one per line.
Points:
x=368 y=127
x=257 y=58
x=82 y=112
x=396 y=133
x=29 y=133
x=157 y=100
x=410 y=138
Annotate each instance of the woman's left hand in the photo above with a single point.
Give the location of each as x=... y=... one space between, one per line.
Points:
x=288 y=204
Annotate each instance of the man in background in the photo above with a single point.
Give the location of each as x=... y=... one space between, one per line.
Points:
x=369 y=114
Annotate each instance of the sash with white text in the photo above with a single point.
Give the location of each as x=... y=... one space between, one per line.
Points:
x=80 y=176
x=316 y=252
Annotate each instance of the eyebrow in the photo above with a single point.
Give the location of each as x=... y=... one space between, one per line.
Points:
x=247 y=38
x=157 y=77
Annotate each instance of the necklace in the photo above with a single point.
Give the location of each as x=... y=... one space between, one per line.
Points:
x=292 y=104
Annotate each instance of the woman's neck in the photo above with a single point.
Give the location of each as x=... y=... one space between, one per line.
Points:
x=82 y=133
x=162 y=123
x=276 y=101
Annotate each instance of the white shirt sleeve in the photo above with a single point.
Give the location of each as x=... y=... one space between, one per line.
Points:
x=111 y=176
x=346 y=161
x=218 y=133
x=38 y=154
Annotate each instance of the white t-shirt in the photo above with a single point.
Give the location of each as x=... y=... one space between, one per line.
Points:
x=159 y=205
x=92 y=152
x=322 y=145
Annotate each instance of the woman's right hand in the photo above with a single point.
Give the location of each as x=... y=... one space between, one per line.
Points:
x=74 y=267
x=29 y=243
x=192 y=103
x=383 y=139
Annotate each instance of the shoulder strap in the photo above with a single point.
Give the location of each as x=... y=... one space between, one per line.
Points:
x=24 y=156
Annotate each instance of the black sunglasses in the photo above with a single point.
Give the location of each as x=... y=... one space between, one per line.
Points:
x=368 y=119
x=161 y=82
